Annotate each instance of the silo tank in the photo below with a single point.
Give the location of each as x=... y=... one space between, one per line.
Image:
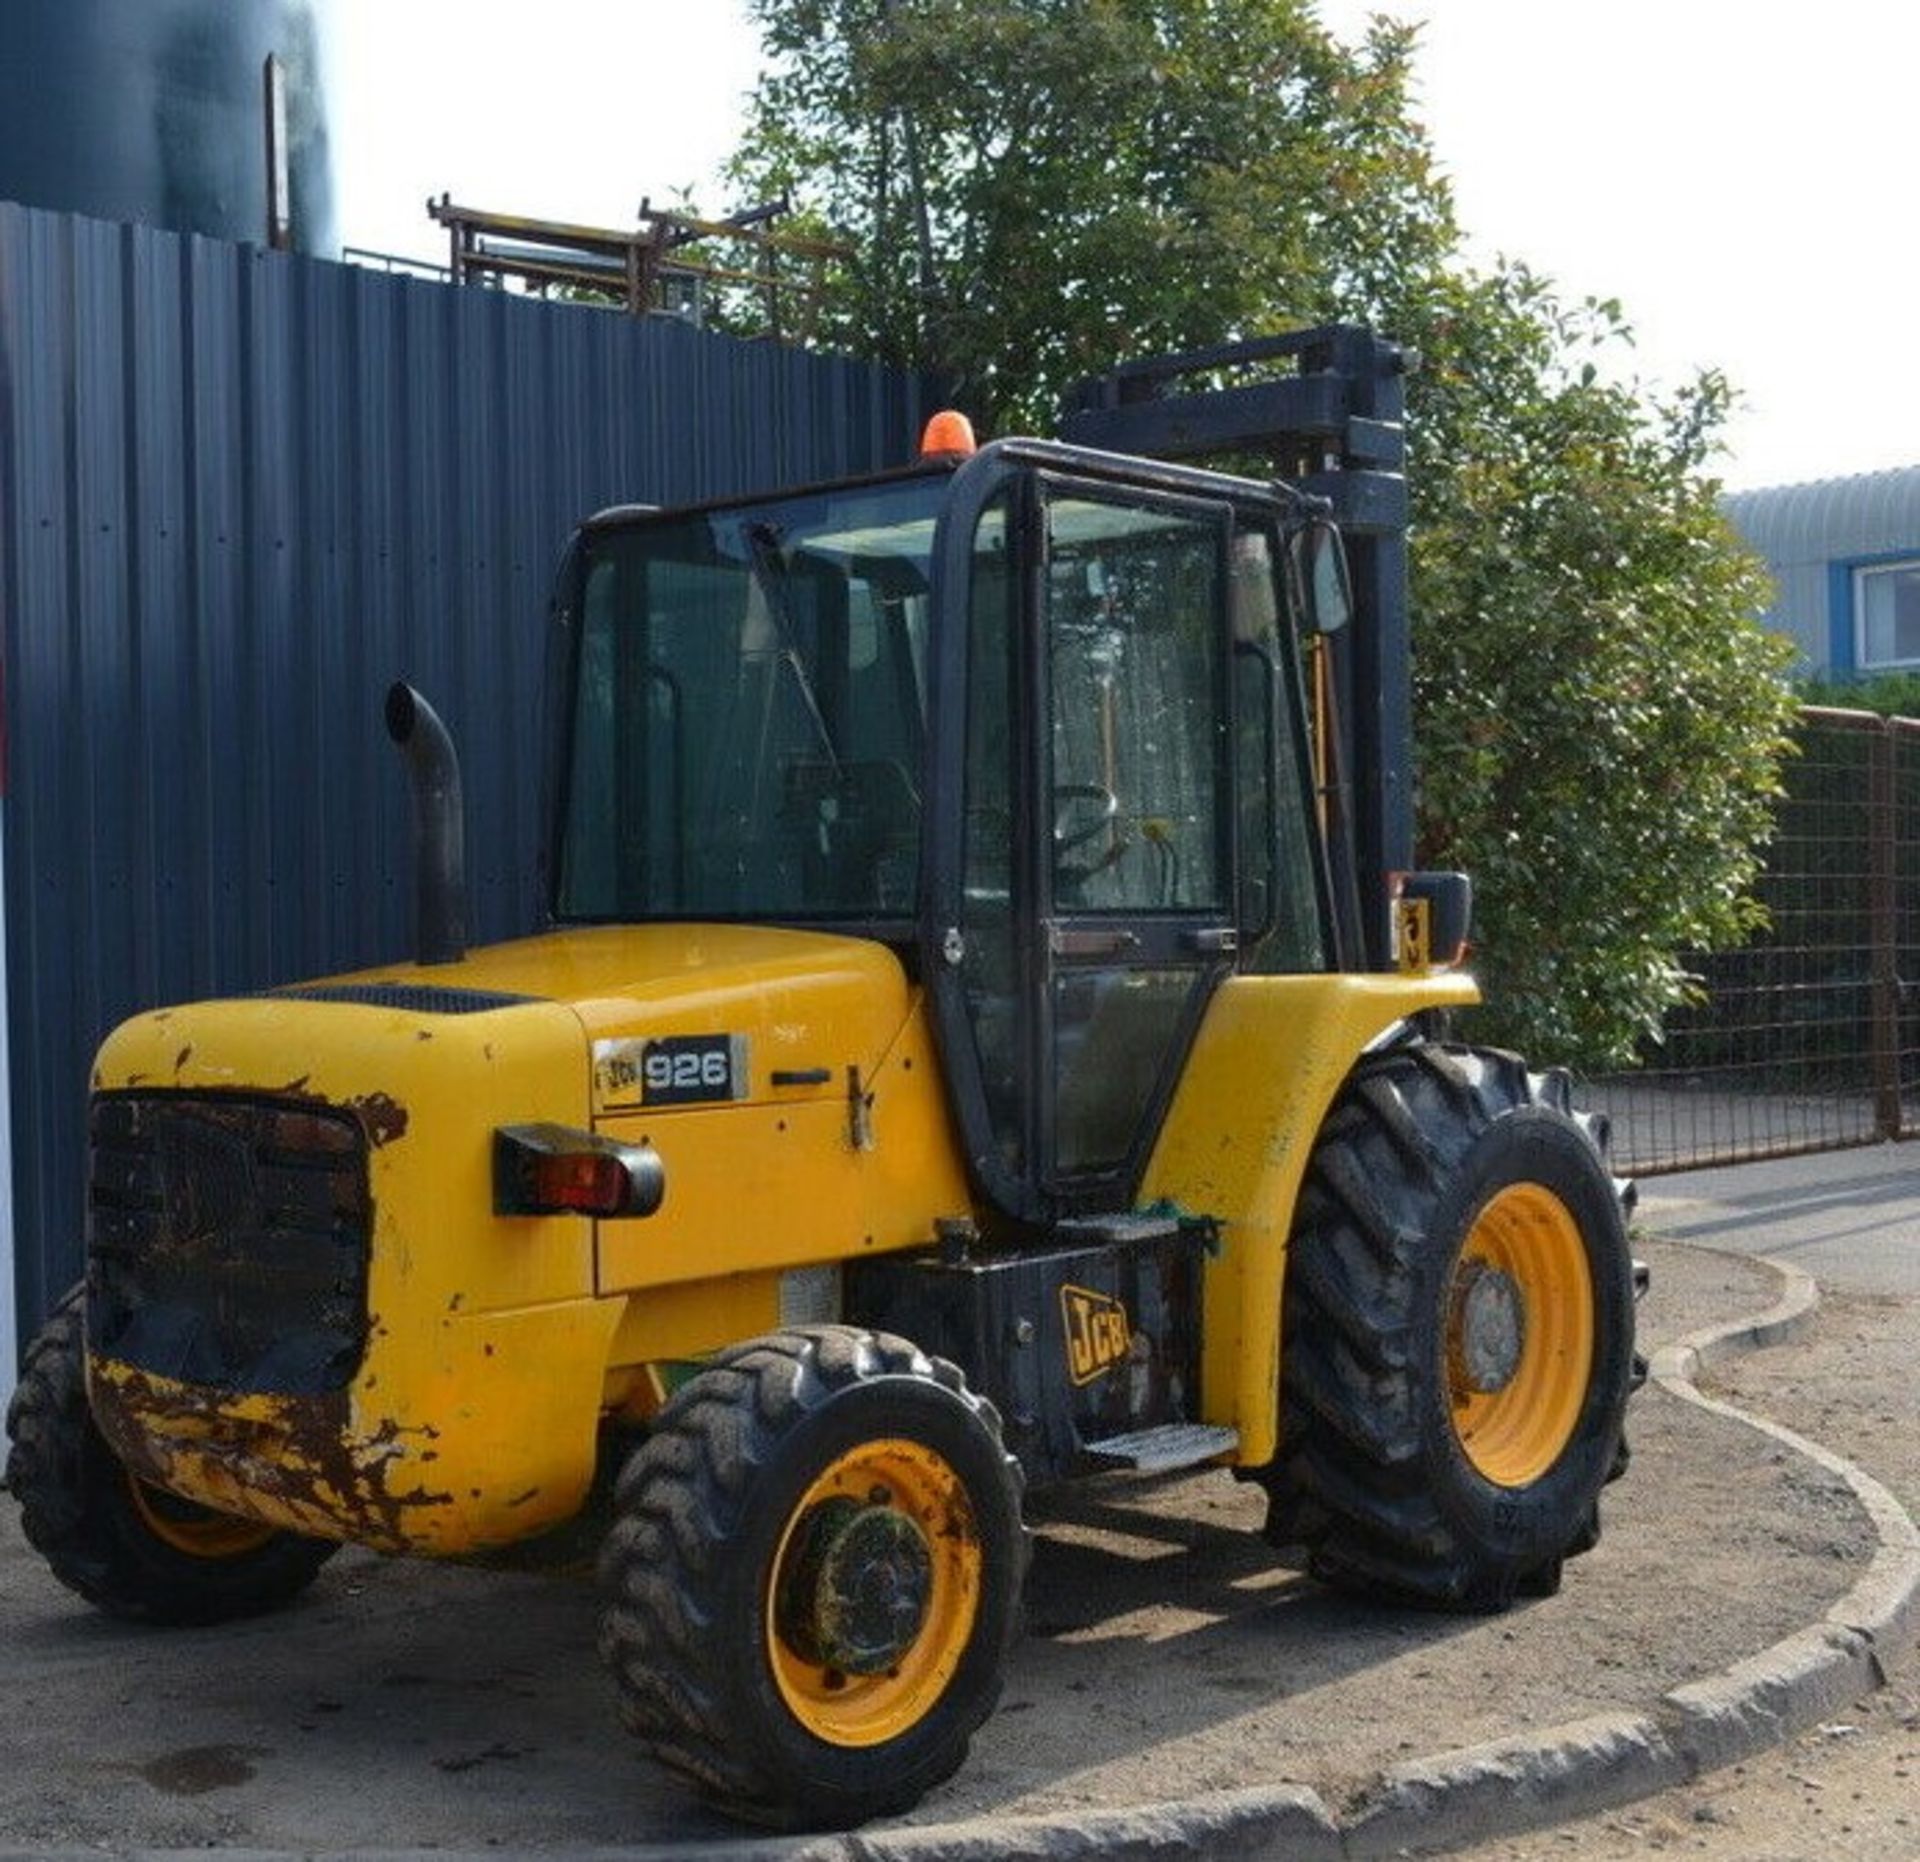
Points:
x=153 y=111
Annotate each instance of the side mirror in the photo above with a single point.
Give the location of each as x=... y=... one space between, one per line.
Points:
x=1433 y=915
x=1321 y=576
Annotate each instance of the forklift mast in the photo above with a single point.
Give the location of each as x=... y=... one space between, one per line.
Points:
x=1325 y=410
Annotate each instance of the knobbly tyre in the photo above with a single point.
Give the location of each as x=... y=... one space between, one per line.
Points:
x=988 y=1034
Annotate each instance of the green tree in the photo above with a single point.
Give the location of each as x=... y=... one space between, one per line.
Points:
x=1600 y=720
x=1037 y=189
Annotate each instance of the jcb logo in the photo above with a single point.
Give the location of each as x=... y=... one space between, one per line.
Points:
x=1096 y=1326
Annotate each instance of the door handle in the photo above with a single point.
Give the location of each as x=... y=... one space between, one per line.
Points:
x=1102 y=943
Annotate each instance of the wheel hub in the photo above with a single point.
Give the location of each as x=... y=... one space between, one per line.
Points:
x=857 y=1587
x=1487 y=1330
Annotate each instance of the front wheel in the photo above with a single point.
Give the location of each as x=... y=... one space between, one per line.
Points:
x=1458 y=1334
x=127 y=1547
x=813 y=1579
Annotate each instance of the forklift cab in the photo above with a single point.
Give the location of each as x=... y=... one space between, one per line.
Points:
x=1033 y=718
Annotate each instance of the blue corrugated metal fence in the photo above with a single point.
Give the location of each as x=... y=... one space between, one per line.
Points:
x=240 y=493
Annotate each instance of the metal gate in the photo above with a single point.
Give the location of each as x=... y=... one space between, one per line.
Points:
x=1808 y=1037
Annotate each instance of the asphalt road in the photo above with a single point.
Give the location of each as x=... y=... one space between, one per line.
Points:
x=1851 y=1219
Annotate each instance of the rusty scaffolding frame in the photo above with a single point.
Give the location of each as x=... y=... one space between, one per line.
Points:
x=654 y=266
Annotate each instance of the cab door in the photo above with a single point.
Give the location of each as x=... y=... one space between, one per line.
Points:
x=1097 y=866
x=1134 y=779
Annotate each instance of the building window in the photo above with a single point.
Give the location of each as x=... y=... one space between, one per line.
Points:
x=1887 y=600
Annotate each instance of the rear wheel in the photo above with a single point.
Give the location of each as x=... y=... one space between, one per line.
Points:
x=1458 y=1334
x=814 y=1575
x=126 y=1546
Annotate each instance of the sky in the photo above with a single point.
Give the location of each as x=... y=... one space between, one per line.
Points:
x=1739 y=176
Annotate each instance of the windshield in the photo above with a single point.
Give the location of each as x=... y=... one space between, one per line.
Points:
x=749 y=711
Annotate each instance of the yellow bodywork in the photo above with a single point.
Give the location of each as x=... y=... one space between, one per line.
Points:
x=1270 y=1057
x=497 y=1344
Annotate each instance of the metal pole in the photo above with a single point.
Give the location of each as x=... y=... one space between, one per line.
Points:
x=9 y=1327
x=279 y=185
x=1885 y=1040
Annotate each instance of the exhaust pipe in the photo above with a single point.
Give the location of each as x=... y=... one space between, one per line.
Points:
x=439 y=831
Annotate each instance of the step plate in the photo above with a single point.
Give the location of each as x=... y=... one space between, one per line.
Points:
x=1171 y=1445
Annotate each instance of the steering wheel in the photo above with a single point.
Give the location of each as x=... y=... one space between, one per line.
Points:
x=1066 y=796
x=1105 y=806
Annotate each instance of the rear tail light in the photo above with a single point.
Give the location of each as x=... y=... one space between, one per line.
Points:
x=556 y=1170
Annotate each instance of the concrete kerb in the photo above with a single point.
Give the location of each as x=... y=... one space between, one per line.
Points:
x=1506 y=1786
x=1881 y=1613
x=1788 y=1318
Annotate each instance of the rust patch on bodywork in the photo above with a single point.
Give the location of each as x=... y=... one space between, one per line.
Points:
x=384 y=1117
x=292 y=1461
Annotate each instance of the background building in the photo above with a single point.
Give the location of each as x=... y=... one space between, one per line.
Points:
x=1845 y=557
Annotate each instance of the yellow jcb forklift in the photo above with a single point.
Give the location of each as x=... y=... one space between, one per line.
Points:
x=987 y=1036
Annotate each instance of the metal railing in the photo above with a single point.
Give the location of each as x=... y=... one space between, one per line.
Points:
x=394 y=264
x=1807 y=1038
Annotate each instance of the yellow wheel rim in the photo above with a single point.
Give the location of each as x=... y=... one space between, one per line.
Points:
x=1519 y=1335
x=196 y=1530
x=873 y=1592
